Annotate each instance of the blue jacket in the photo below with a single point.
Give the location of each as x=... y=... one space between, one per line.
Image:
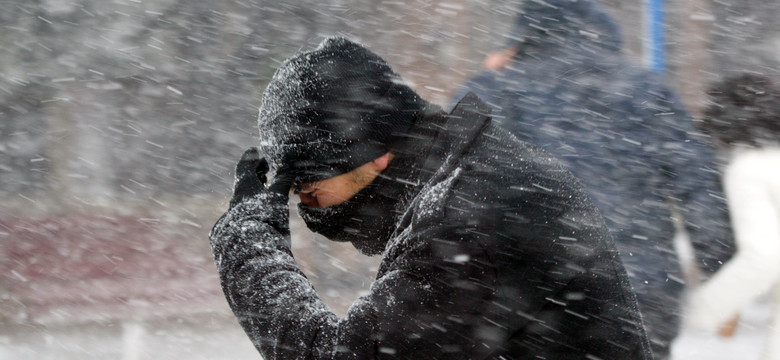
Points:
x=617 y=128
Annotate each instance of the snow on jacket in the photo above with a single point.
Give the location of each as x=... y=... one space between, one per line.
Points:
x=624 y=135
x=500 y=255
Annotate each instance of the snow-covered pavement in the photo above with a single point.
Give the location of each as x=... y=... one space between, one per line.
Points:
x=219 y=337
x=201 y=329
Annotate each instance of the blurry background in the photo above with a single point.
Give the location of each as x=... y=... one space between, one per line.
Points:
x=121 y=121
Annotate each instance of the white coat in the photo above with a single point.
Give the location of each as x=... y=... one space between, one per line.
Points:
x=752 y=186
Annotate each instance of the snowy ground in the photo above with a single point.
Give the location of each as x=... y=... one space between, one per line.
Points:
x=211 y=332
x=205 y=338
x=219 y=337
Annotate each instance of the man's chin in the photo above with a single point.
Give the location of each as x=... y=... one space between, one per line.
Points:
x=366 y=221
x=365 y=244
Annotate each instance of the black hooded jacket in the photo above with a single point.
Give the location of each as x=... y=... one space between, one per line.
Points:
x=498 y=255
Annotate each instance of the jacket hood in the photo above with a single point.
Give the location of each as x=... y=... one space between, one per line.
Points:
x=575 y=25
x=329 y=110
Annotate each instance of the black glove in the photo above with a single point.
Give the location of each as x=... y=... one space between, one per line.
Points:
x=251 y=198
x=250 y=176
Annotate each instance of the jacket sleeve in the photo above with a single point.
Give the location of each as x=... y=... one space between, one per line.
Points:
x=694 y=183
x=414 y=310
x=755 y=267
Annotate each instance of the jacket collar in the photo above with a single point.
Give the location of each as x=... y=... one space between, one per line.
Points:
x=459 y=130
x=450 y=137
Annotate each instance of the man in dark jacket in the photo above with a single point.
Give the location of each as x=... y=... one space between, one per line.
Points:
x=490 y=250
x=621 y=132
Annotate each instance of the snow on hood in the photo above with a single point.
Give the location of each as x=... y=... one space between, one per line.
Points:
x=332 y=109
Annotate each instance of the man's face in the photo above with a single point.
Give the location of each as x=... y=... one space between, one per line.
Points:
x=338 y=189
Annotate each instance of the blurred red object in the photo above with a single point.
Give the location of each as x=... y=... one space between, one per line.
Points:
x=77 y=268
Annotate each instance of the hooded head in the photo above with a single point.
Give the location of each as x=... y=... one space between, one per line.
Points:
x=562 y=24
x=743 y=110
x=330 y=110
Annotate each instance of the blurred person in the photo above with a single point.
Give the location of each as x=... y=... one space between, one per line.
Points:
x=744 y=118
x=566 y=87
x=490 y=250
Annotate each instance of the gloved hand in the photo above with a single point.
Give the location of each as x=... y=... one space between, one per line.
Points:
x=252 y=200
x=250 y=176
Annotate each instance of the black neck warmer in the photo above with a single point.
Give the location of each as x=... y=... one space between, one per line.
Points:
x=369 y=218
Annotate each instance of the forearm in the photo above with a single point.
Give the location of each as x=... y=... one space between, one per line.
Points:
x=741 y=281
x=276 y=305
x=272 y=299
